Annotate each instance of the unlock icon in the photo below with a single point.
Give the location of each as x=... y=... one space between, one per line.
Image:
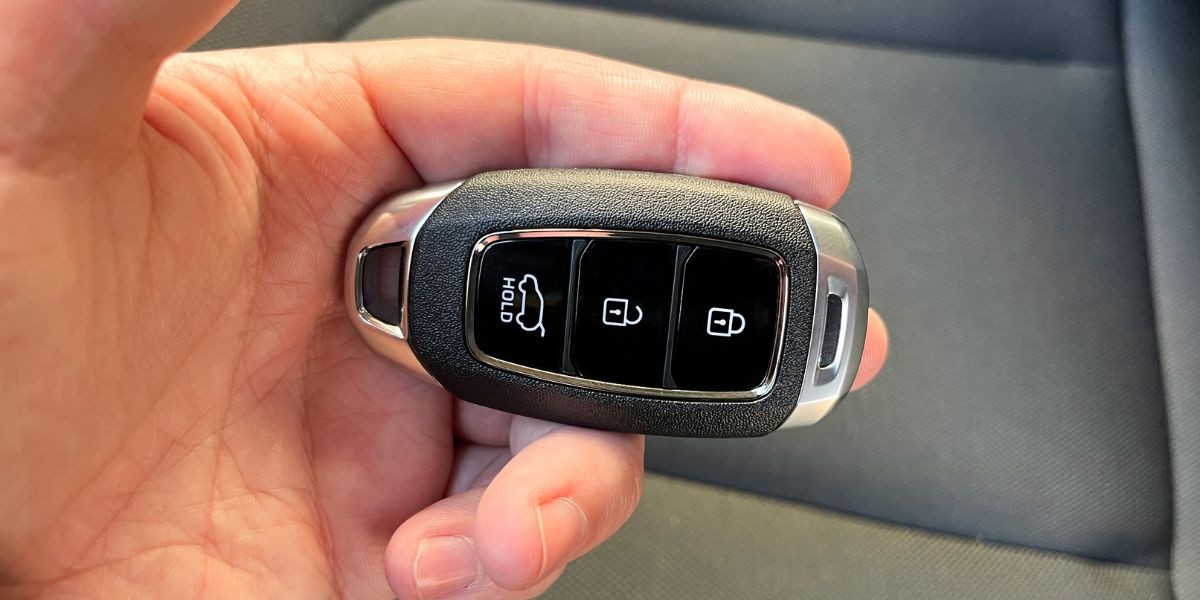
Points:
x=617 y=313
x=725 y=322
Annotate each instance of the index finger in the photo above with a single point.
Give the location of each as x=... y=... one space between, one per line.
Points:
x=447 y=109
x=459 y=107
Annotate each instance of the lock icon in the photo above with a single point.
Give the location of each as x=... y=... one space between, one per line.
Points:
x=725 y=322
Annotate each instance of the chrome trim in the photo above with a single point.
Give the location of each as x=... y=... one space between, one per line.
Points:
x=757 y=392
x=397 y=219
x=839 y=272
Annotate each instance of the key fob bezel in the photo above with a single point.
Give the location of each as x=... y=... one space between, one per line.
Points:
x=440 y=228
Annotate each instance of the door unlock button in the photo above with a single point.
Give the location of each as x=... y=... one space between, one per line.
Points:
x=623 y=311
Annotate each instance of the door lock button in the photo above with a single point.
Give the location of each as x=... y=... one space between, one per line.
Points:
x=725 y=339
x=520 y=302
x=623 y=311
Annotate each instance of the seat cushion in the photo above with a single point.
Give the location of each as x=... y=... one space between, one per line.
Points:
x=1082 y=30
x=268 y=22
x=997 y=205
x=691 y=540
x=1162 y=41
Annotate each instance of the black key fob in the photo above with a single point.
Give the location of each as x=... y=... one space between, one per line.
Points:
x=619 y=300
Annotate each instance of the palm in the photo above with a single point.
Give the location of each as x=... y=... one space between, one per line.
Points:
x=219 y=292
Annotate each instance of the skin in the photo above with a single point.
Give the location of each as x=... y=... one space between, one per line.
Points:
x=188 y=411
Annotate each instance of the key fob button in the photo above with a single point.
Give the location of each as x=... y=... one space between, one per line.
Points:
x=520 y=310
x=729 y=310
x=623 y=311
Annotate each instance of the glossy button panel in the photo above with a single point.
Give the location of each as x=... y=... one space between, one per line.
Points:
x=729 y=310
x=521 y=301
x=628 y=312
x=623 y=311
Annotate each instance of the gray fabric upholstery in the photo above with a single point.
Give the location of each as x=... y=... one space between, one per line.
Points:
x=997 y=206
x=271 y=22
x=690 y=540
x=1162 y=39
x=1079 y=30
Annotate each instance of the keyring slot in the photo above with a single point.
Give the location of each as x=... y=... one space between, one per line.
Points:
x=380 y=277
x=834 y=324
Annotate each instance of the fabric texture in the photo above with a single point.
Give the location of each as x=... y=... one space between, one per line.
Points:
x=1078 y=30
x=690 y=540
x=1162 y=39
x=273 y=22
x=996 y=203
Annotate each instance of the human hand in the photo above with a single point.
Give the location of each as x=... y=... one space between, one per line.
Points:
x=188 y=411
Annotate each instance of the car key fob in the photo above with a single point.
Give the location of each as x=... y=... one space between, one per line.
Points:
x=618 y=300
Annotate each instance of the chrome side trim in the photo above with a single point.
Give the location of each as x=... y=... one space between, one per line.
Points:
x=840 y=272
x=397 y=219
x=758 y=391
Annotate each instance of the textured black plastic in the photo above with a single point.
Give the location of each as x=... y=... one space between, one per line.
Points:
x=617 y=200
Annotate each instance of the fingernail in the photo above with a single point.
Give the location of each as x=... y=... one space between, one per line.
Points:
x=564 y=529
x=444 y=565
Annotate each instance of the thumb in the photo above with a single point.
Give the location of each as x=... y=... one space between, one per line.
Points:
x=78 y=72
